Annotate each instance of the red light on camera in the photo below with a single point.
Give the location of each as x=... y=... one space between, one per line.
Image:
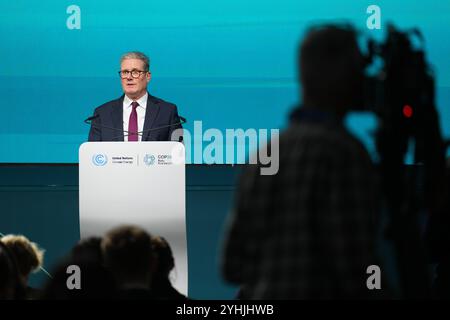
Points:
x=407 y=111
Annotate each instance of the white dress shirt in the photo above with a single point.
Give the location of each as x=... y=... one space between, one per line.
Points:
x=140 y=114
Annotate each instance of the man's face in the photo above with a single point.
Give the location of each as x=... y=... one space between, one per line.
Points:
x=134 y=88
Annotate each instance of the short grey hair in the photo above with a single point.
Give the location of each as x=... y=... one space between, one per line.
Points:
x=137 y=55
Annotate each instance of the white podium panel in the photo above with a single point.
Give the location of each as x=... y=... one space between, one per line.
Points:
x=138 y=183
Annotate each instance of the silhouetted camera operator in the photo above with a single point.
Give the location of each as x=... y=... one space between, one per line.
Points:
x=309 y=231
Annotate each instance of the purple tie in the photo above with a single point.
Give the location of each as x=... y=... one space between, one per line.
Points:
x=132 y=124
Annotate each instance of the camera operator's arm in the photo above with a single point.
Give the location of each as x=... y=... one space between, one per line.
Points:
x=347 y=214
x=246 y=227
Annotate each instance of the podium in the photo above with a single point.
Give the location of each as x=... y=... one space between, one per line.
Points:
x=137 y=183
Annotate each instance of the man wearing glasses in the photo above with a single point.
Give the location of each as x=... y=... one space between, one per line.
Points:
x=136 y=115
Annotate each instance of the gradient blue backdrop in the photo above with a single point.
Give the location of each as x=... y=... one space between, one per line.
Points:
x=229 y=63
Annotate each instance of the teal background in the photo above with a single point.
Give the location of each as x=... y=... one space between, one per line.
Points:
x=230 y=64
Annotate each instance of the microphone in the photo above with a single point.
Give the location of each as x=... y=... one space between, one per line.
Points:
x=88 y=120
x=95 y=116
x=182 y=121
x=127 y=133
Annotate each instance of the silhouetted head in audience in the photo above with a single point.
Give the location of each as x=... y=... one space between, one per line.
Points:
x=88 y=250
x=28 y=255
x=331 y=70
x=165 y=263
x=164 y=257
x=128 y=253
x=10 y=286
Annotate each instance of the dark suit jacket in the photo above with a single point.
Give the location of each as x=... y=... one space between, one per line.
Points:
x=108 y=122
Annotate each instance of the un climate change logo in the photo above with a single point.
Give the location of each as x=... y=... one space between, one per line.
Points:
x=149 y=159
x=99 y=159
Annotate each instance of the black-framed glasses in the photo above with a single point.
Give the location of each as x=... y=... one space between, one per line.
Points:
x=134 y=73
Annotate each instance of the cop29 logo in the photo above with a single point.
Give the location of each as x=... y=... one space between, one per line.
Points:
x=149 y=159
x=99 y=159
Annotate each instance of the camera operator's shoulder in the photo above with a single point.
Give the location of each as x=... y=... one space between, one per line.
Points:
x=348 y=146
x=322 y=139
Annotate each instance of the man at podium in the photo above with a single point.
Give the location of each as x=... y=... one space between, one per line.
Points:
x=136 y=115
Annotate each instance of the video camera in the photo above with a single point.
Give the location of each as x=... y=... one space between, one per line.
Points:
x=402 y=95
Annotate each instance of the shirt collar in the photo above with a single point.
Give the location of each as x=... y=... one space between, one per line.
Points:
x=142 y=101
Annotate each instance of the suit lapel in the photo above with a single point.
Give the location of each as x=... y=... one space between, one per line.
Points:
x=150 y=115
x=117 y=118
